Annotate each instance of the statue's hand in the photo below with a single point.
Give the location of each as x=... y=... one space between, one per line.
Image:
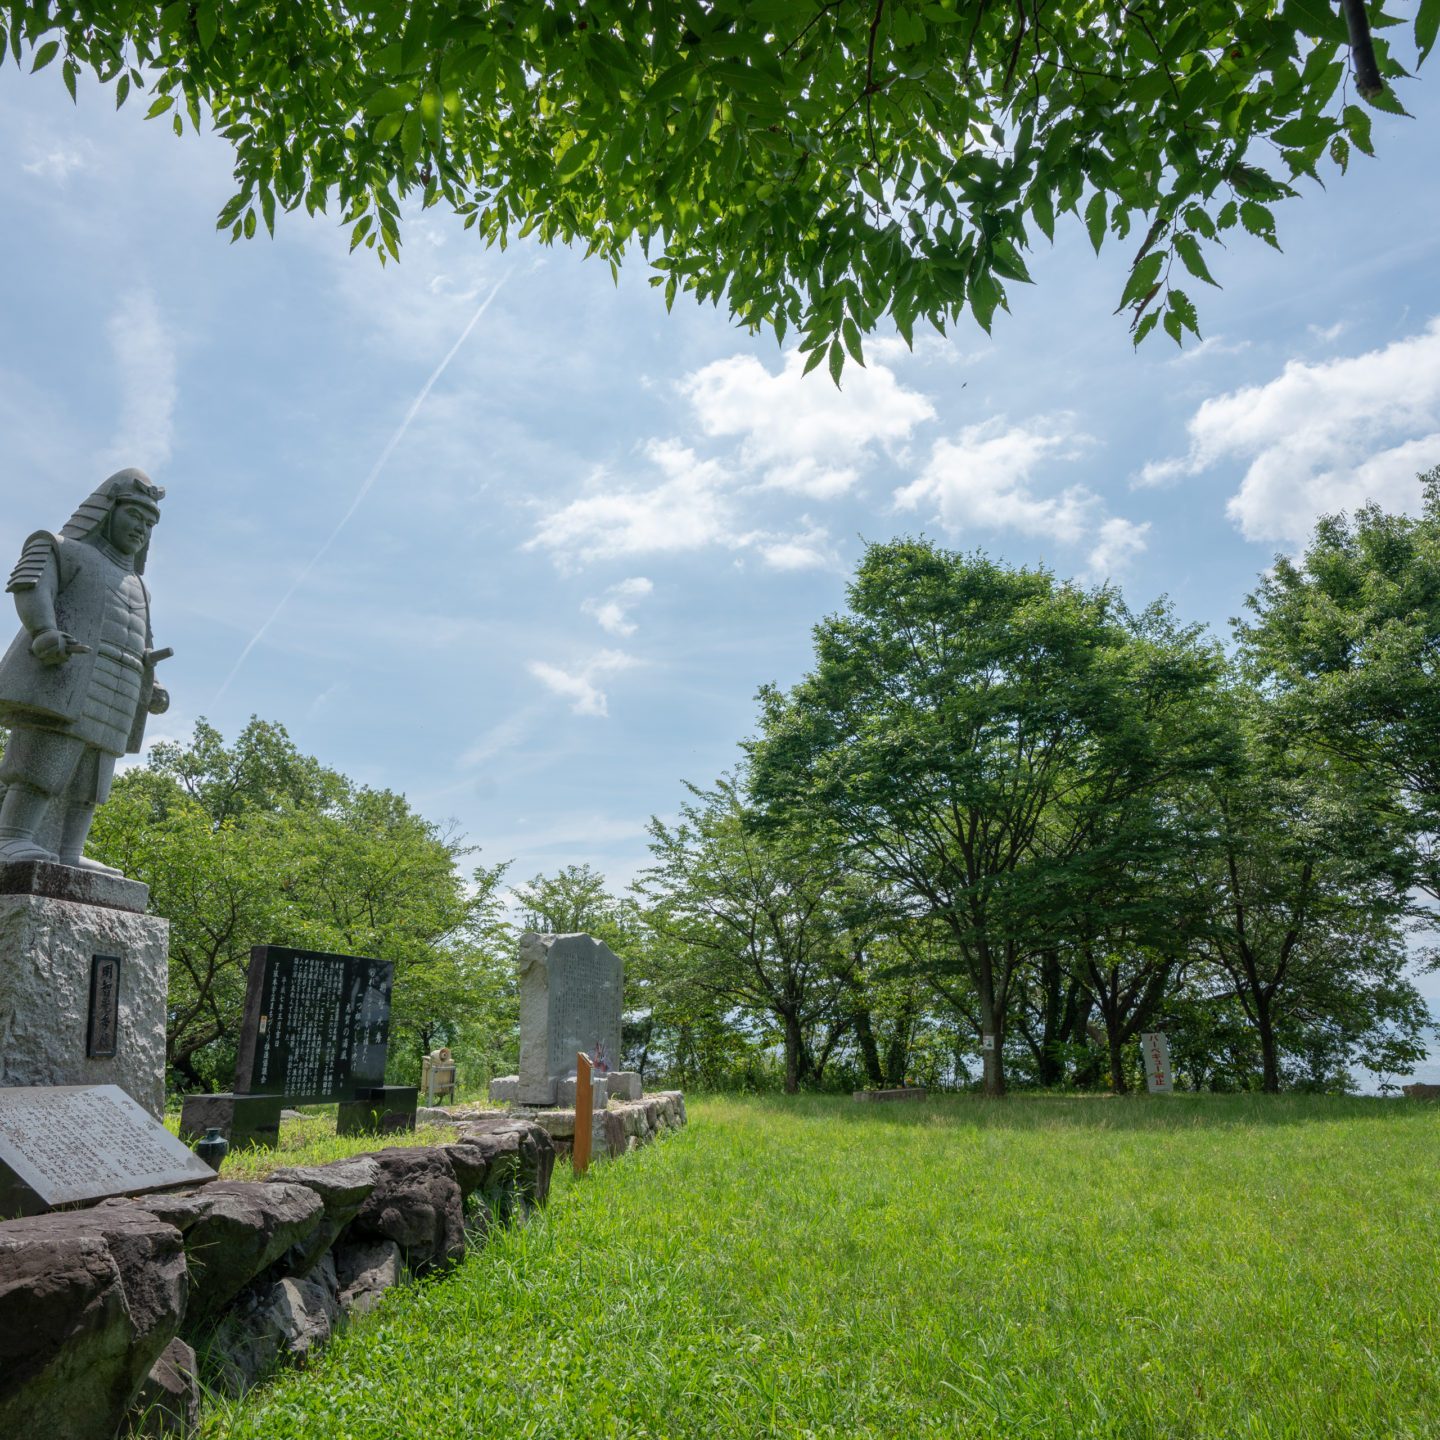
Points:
x=159 y=700
x=53 y=647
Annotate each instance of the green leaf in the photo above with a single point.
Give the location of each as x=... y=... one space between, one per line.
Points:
x=817 y=357
x=1043 y=209
x=671 y=82
x=1229 y=214
x=1142 y=277
x=1357 y=124
x=1340 y=152
x=837 y=361
x=1095 y=220
x=250 y=223
x=267 y=204
x=176 y=17
x=44 y=55
x=870 y=183
x=851 y=332
x=1427 y=26
x=69 y=71
x=387 y=127
x=160 y=106
x=122 y=90
x=1146 y=325
x=1188 y=248
x=207 y=22
x=178 y=125
x=410 y=137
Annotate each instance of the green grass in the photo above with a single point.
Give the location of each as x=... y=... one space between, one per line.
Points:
x=1249 y=1267
x=313 y=1141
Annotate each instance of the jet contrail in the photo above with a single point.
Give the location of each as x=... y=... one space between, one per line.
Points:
x=364 y=489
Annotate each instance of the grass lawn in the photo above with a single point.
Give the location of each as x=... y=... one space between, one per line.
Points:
x=1176 y=1266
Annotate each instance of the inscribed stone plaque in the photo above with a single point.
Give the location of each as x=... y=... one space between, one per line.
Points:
x=104 y=1028
x=571 y=989
x=64 y=1143
x=316 y=1026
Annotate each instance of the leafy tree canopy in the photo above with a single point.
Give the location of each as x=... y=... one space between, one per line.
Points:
x=820 y=163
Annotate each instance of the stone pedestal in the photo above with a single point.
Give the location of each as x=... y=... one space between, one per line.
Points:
x=383 y=1108
x=54 y=921
x=244 y=1120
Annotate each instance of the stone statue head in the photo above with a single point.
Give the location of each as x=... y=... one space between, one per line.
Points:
x=124 y=487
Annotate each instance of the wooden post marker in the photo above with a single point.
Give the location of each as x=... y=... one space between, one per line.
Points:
x=584 y=1114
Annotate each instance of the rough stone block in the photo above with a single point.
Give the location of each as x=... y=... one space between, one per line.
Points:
x=233 y=1230
x=88 y=1302
x=169 y=1398
x=505 y=1090
x=417 y=1204
x=46 y=950
x=366 y=1270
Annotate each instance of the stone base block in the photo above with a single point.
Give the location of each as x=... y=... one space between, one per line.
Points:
x=383 y=1109
x=902 y=1092
x=623 y=1085
x=46 y=951
x=505 y=1090
x=599 y=1092
x=244 y=1120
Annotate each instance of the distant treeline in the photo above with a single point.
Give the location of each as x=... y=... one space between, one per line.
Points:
x=1000 y=804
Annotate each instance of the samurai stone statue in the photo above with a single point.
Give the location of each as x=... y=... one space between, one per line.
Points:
x=79 y=679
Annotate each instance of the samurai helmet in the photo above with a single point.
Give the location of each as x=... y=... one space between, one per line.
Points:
x=128 y=486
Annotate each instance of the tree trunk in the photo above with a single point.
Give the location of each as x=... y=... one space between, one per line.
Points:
x=1116 y=1046
x=897 y=1053
x=992 y=1059
x=1269 y=1060
x=792 y=1055
x=869 y=1052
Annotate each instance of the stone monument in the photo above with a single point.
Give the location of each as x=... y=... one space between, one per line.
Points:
x=315 y=1031
x=68 y=1144
x=571 y=993
x=83 y=969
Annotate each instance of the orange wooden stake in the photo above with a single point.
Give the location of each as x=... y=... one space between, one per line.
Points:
x=584 y=1117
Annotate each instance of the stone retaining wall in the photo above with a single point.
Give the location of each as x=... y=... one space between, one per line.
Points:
x=102 y=1310
x=621 y=1126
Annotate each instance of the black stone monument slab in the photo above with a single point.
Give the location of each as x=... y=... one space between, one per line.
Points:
x=67 y=1144
x=316 y=1026
x=385 y=1108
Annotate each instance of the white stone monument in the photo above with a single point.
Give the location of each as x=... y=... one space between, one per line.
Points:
x=571 y=990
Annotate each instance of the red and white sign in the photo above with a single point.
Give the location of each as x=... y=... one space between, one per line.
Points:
x=1155 y=1049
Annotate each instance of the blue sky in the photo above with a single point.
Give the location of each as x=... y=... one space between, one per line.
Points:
x=606 y=526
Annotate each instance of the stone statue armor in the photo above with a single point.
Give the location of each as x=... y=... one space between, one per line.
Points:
x=78 y=680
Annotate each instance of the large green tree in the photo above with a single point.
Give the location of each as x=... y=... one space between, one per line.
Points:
x=1347 y=643
x=820 y=163
x=969 y=730
x=256 y=843
x=758 y=921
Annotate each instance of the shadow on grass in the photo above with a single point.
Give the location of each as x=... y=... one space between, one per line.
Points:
x=1091 y=1112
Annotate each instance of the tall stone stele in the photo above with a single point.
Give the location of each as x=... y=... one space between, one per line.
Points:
x=82 y=967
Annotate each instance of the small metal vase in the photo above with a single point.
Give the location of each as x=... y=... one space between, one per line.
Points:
x=213 y=1148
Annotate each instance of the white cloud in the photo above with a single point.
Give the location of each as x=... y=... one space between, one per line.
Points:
x=611 y=610
x=1322 y=437
x=802 y=433
x=686 y=511
x=808 y=550
x=145 y=357
x=1328 y=333
x=1211 y=346
x=55 y=164
x=1120 y=540
x=579 y=687
x=981 y=480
